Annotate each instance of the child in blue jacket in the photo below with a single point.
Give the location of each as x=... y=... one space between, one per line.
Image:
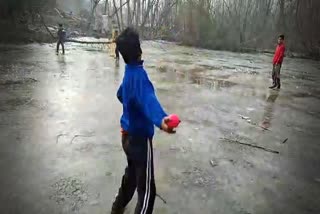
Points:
x=141 y=111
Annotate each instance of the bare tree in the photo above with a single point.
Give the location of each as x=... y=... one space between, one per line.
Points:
x=94 y=4
x=121 y=15
x=137 y=13
x=128 y=14
x=227 y=24
x=106 y=7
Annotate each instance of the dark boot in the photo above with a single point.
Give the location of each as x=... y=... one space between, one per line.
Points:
x=117 y=211
x=273 y=86
x=273 y=82
x=273 y=79
x=278 y=83
x=62 y=44
x=57 y=49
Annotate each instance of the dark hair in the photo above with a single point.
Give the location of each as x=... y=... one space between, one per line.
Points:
x=60 y=25
x=128 y=44
x=281 y=36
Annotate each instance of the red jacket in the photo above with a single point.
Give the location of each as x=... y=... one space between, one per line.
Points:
x=279 y=54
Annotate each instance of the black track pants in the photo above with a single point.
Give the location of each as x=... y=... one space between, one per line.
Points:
x=139 y=174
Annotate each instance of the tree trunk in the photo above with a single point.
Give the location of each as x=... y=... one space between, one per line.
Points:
x=117 y=15
x=94 y=4
x=143 y=9
x=281 y=18
x=121 y=15
x=153 y=16
x=106 y=8
x=146 y=15
x=134 y=14
x=128 y=14
x=138 y=14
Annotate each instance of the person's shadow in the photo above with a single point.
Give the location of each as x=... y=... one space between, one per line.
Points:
x=116 y=70
x=268 y=110
x=62 y=64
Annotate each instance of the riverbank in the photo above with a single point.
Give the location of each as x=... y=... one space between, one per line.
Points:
x=41 y=28
x=288 y=53
x=236 y=48
x=44 y=31
x=14 y=33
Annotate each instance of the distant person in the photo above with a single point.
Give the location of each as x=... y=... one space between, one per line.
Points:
x=141 y=111
x=61 y=38
x=116 y=34
x=277 y=62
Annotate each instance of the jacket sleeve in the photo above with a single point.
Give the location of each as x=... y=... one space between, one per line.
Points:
x=280 y=55
x=148 y=102
x=119 y=93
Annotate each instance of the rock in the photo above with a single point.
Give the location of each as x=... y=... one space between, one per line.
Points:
x=199 y=181
x=84 y=197
x=75 y=33
x=250 y=109
x=204 y=196
x=16 y=82
x=94 y=203
x=244 y=117
x=232 y=161
x=61 y=198
x=52 y=29
x=213 y=163
x=108 y=173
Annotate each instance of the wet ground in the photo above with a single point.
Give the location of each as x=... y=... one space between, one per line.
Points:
x=241 y=148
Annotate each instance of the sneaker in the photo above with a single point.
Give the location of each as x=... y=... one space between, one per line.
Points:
x=272 y=87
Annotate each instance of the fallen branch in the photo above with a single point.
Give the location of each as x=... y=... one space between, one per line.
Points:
x=16 y=82
x=58 y=136
x=58 y=12
x=44 y=24
x=213 y=163
x=162 y=199
x=88 y=42
x=27 y=102
x=79 y=135
x=264 y=128
x=243 y=49
x=252 y=123
x=117 y=9
x=253 y=146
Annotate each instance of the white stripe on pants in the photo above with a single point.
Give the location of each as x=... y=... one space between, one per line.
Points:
x=148 y=181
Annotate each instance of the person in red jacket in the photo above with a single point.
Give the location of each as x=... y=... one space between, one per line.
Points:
x=277 y=62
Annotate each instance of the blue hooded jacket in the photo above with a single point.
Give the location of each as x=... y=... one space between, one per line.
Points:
x=141 y=108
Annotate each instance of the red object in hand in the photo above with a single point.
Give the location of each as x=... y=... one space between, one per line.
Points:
x=174 y=121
